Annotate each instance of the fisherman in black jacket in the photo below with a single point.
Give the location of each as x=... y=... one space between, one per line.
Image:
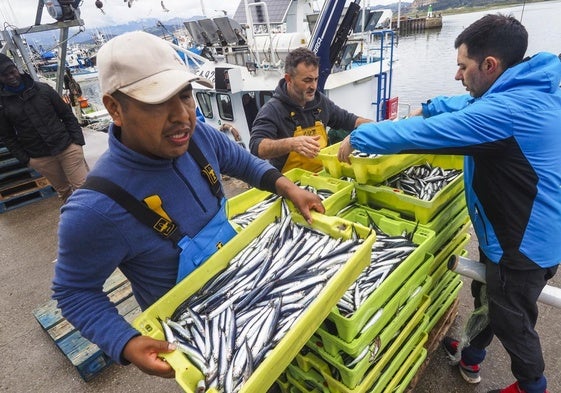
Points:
x=40 y=129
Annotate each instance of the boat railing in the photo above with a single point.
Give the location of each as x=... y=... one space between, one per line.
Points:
x=193 y=60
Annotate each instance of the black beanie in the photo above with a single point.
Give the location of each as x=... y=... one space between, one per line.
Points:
x=5 y=62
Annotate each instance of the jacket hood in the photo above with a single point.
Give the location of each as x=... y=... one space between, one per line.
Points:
x=282 y=95
x=541 y=72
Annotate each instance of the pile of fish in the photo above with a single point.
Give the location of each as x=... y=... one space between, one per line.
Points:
x=228 y=327
x=423 y=181
x=388 y=252
x=247 y=217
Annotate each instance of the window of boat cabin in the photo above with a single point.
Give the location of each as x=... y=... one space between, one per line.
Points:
x=224 y=103
x=264 y=96
x=205 y=104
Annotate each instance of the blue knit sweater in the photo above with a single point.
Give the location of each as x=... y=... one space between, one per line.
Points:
x=96 y=235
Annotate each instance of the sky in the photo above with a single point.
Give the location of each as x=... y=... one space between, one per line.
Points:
x=21 y=13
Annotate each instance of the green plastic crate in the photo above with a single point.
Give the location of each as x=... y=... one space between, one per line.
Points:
x=363 y=169
x=333 y=344
x=454 y=246
x=378 y=169
x=332 y=165
x=343 y=193
x=412 y=331
x=400 y=363
x=440 y=222
x=453 y=226
x=186 y=374
x=407 y=371
x=306 y=381
x=242 y=202
x=414 y=309
x=410 y=206
x=444 y=300
x=348 y=327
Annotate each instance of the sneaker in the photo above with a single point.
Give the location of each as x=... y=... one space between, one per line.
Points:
x=514 y=388
x=470 y=373
x=450 y=346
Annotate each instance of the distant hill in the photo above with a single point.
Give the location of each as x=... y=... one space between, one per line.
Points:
x=149 y=25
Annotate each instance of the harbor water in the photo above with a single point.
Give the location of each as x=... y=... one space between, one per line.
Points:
x=426 y=62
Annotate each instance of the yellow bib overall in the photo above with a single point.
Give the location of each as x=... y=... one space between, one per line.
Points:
x=297 y=160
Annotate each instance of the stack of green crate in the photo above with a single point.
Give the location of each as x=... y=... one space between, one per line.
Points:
x=187 y=374
x=396 y=341
x=445 y=214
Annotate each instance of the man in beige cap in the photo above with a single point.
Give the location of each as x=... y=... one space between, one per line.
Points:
x=160 y=155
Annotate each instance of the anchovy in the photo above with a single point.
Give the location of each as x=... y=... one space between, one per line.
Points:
x=423 y=181
x=242 y=313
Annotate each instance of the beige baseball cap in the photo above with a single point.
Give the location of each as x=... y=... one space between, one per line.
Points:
x=144 y=67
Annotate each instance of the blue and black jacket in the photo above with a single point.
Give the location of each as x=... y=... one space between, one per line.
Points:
x=511 y=137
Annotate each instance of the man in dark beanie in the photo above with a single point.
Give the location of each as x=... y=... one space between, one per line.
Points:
x=40 y=129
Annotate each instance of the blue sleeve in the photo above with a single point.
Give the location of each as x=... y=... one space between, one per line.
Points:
x=80 y=272
x=461 y=132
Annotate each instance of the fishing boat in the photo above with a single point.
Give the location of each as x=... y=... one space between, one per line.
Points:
x=244 y=57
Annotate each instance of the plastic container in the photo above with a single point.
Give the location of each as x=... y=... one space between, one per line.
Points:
x=446 y=231
x=363 y=169
x=440 y=221
x=413 y=332
x=413 y=309
x=410 y=206
x=378 y=169
x=347 y=328
x=186 y=374
x=450 y=290
x=331 y=163
x=403 y=361
x=417 y=285
x=454 y=247
x=342 y=193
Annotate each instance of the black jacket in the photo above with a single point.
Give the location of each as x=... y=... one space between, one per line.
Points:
x=37 y=122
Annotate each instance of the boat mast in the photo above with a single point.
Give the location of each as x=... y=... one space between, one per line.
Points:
x=14 y=43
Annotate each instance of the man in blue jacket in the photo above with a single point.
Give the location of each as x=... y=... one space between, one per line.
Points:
x=162 y=156
x=509 y=129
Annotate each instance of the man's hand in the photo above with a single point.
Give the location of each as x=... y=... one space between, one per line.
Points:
x=303 y=200
x=416 y=112
x=143 y=352
x=308 y=146
x=345 y=150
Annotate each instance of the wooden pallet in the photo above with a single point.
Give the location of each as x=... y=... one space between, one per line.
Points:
x=85 y=356
x=7 y=163
x=433 y=343
x=23 y=192
x=17 y=174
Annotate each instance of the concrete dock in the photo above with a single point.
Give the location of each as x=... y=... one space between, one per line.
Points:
x=32 y=362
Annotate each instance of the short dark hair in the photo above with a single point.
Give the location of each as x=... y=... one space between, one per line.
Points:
x=297 y=56
x=495 y=35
